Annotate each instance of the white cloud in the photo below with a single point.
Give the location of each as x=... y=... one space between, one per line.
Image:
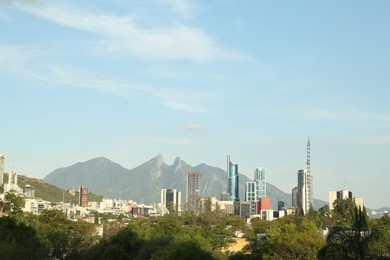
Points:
x=21 y=63
x=121 y=33
x=182 y=7
x=191 y=126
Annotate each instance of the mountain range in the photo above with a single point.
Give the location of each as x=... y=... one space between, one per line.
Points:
x=143 y=183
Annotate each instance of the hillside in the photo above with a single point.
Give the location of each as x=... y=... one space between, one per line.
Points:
x=50 y=192
x=144 y=182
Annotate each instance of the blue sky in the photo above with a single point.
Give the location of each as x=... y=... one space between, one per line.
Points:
x=128 y=80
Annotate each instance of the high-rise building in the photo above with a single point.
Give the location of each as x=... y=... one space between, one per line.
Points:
x=233 y=180
x=305 y=185
x=294 y=197
x=12 y=182
x=250 y=191
x=303 y=200
x=259 y=178
x=282 y=205
x=341 y=195
x=250 y=194
x=1 y=170
x=359 y=203
x=171 y=199
x=193 y=190
x=83 y=197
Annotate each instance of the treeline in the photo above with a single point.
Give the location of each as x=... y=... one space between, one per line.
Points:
x=351 y=235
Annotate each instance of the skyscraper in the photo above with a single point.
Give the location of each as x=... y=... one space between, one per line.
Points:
x=233 y=180
x=1 y=170
x=294 y=197
x=250 y=191
x=305 y=185
x=83 y=199
x=259 y=178
x=171 y=199
x=193 y=190
x=340 y=195
x=303 y=200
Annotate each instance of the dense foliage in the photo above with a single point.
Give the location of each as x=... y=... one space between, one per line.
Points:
x=194 y=236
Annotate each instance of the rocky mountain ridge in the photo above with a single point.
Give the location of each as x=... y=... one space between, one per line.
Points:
x=143 y=183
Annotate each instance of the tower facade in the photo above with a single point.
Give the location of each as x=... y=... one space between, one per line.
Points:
x=303 y=201
x=233 y=180
x=250 y=191
x=294 y=197
x=261 y=185
x=1 y=170
x=193 y=190
x=83 y=199
x=171 y=199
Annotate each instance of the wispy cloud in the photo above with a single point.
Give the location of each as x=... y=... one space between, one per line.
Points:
x=20 y=62
x=182 y=7
x=191 y=126
x=122 y=33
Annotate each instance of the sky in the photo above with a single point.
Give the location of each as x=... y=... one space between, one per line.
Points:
x=201 y=79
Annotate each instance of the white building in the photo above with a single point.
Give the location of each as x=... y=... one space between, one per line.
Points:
x=261 y=185
x=303 y=194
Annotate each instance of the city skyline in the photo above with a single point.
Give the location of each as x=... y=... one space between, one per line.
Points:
x=199 y=80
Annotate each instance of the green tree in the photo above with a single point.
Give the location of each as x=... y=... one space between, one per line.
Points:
x=63 y=238
x=290 y=238
x=124 y=245
x=349 y=242
x=12 y=203
x=19 y=241
x=380 y=247
x=343 y=212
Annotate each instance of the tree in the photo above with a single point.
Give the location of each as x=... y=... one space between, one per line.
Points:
x=19 y=241
x=343 y=212
x=124 y=245
x=349 y=242
x=380 y=247
x=12 y=203
x=290 y=238
x=63 y=238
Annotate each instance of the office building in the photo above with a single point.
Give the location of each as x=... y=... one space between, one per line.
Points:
x=303 y=200
x=250 y=191
x=294 y=197
x=233 y=180
x=12 y=183
x=193 y=190
x=282 y=205
x=261 y=186
x=263 y=204
x=171 y=199
x=1 y=170
x=83 y=197
x=242 y=209
x=29 y=191
x=250 y=194
x=359 y=203
x=341 y=195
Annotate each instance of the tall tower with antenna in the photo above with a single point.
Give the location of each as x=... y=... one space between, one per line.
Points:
x=309 y=177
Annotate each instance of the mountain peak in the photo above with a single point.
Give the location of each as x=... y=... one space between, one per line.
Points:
x=159 y=158
x=177 y=161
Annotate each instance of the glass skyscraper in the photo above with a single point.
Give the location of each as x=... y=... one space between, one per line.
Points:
x=233 y=180
x=261 y=186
